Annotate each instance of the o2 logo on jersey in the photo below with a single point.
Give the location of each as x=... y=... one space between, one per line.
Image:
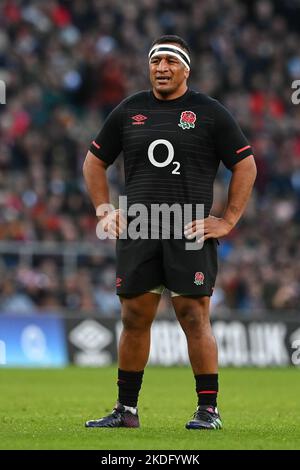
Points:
x=169 y=158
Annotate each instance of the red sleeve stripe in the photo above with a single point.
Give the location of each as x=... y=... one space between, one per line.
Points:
x=243 y=148
x=96 y=145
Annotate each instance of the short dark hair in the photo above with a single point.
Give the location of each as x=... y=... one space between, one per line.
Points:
x=174 y=39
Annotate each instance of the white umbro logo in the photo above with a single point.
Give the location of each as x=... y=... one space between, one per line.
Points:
x=90 y=335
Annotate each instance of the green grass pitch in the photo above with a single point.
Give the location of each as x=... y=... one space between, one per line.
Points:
x=46 y=409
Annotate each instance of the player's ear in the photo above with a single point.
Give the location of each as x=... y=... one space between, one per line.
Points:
x=186 y=73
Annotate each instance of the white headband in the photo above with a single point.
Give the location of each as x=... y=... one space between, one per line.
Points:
x=170 y=49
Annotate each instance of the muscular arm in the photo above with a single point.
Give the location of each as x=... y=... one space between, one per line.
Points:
x=240 y=188
x=241 y=184
x=94 y=172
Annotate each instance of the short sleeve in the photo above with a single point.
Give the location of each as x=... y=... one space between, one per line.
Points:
x=107 y=145
x=230 y=142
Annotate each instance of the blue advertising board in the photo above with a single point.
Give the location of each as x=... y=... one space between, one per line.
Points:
x=32 y=341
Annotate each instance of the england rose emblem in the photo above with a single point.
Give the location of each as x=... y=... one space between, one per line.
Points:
x=199 y=278
x=187 y=120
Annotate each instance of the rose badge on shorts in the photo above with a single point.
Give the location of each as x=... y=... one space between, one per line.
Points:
x=199 y=278
x=187 y=120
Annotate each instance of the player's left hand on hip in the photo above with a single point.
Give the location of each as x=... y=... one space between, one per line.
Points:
x=210 y=227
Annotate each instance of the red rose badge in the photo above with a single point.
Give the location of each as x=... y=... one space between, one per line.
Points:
x=187 y=120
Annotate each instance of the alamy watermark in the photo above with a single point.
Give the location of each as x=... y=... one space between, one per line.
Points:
x=296 y=94
x=2 y=92
x=152 y=222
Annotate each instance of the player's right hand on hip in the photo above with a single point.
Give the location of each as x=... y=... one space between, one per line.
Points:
x=114 y=223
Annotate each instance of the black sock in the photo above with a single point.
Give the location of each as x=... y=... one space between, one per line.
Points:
x=129 y=384
x=207 y=389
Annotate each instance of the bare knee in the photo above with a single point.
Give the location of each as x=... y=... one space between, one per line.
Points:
x=193 y=315
x=134 y=321
x=135 y=318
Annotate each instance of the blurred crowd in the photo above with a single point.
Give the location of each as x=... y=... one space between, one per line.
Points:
x=66 y=64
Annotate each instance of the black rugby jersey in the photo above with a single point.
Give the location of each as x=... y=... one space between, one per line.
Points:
x=171 y=149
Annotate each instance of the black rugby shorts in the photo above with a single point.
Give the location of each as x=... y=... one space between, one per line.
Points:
x=144 y=265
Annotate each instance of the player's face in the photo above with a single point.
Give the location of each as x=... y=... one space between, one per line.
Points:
x=168 y=76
